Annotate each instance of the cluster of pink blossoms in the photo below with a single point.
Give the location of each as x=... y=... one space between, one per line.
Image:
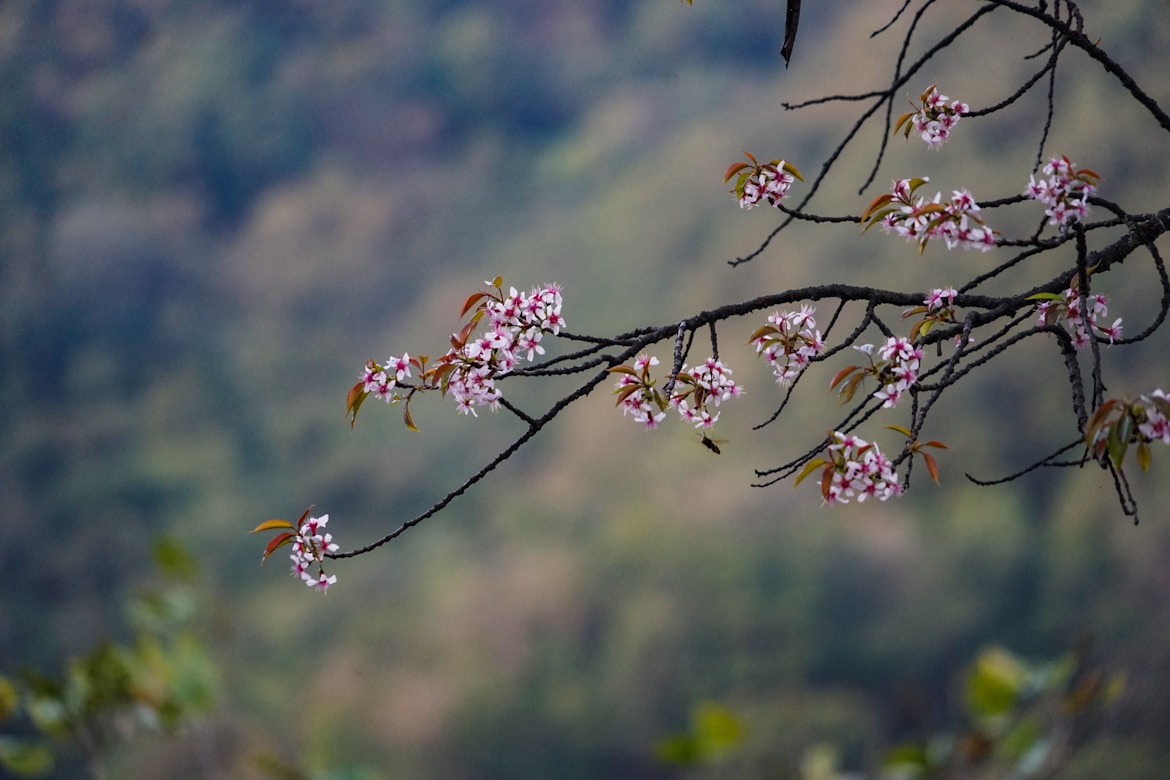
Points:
x=695 y=393
x=857 y=468
x=1157 y=425
x=898 y=370
x=309 y=545
x=637 y=395
x=788 y=343
x=1071 y=311
x=516 y=325
x=956 y=222
x=935 y=119
x=379 y=380
x=1065 y=191
x=769 y=183
x=697 y=389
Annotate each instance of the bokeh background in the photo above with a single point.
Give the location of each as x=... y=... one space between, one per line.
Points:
x=212 y=212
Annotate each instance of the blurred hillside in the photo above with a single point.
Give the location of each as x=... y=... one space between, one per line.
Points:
x=212 y=213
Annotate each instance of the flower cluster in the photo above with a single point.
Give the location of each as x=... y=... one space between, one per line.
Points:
x=898 y=370
x=934 y=120
x=1068 y=308
x=694 y=395
x=757 y=182
x=637 y=395
x=788 y=343
x=380 y=379
x=309 y=545
x=1156 y=409
x=1065 y=190
x=938 y=306
x=1117 y=424
x=856 y=468
x=956 y=221
x=697 y=389
x=516 y=323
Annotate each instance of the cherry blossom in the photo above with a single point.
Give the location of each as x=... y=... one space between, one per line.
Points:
x=516 y=324
x=1067 y=309
x=934 y=120
x=956 y=221
x=1156 y=426
x=788 y=343
x=857 y=469
x=1065 y=190
x=309 y=546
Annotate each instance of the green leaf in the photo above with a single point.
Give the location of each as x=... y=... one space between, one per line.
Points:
x=25 y=758
x=173 y=560
x=994 y=683
x=9 y=698
x=679 y=750
x=717 y=728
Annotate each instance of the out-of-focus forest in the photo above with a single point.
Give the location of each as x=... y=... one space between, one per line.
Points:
x=212 y=213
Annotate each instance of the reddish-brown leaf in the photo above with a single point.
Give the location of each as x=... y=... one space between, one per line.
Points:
x=931 y=465
x=840 y=375
x=471 y=301
x=276 y=543
x=733 y=169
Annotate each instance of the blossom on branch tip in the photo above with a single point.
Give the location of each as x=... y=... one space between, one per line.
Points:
x=853 y=468
x=757 y=182
x=1067 y=309
x=310 y=544
x=956 y=221
x=515 y=325
x=788 y=343
x=934 y=119
x=1117 y=424
x=1065 y=190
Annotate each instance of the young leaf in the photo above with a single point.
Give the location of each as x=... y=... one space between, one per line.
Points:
x=472 y=299
x=904 y=120
x=1143 y=456
x=268 y=525
x=875 y=204
x=407 y=417
x=840 y=375
x=809 y=468
x=733 y=169
x=931 y=465
x=353 y=402
x=278 y=541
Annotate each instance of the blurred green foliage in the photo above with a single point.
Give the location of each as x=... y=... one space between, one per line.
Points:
x=160 y=680
x=211 y=214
